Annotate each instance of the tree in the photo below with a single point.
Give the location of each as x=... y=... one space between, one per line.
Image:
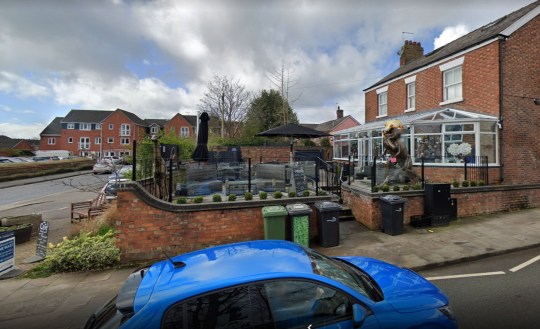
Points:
x=228 y=101
x=265 y=112
x=283 y=79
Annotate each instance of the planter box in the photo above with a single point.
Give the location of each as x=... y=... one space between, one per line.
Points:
x=22 y=233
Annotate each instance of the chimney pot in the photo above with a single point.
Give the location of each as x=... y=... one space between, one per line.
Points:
x=339 y=113
x=410 y=51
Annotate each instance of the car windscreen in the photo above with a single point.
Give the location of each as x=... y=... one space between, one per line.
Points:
x=342 y=273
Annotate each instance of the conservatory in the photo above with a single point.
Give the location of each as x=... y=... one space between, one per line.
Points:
x=441 y=137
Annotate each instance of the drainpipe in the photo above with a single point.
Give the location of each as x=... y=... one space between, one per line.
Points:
x=502 y=43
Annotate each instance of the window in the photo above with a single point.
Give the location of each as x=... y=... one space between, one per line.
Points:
x=85 y=126
x=70 y=126
x=70 y=140
x=111 y=126
x=98 y=126
x=383 y=106
x=302 y=304
x=411 y=96
x=154 y=130
x=110 y=140
x=51 y=141
x=452 y=84
x=97 y=140
x=109 y=154
x=238 y=307
x=84 y=143
x=171 y=129
x=125 y=129
x=184 y=132
x=124 y=141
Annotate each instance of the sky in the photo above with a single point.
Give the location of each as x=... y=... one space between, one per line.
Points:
x=156 y=58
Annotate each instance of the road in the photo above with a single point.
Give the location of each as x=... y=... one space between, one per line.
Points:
x=503 y=295
x=50 y=198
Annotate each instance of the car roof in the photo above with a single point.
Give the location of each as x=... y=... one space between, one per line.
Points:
x=222 y=266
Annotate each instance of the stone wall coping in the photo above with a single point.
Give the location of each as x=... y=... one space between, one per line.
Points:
x=172 y=207
x=454 y=190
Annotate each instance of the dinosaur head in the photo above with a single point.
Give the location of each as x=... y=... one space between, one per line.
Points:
x=393 y=127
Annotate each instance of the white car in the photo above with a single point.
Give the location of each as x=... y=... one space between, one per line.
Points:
x=102 y=167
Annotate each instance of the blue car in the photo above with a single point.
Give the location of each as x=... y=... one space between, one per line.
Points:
x=277 y=285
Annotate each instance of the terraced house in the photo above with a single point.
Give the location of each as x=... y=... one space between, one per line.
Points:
x=108 y=133
x=477 y=97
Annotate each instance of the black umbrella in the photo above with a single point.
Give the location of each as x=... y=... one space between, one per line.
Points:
x=201 y=152
x=293 y=130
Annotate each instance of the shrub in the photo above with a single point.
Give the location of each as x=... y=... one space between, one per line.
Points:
x=473 y=183
x=216 y=197
x=385 y=188
x=231 y=197
x=455 y=183
x=278 y=195
x=181 y=200
x=97 y=225
x=198 y=199
x=375 y=189
x=292 y=194
x=465 y=183
x=263 y=195
x=248 y=196
x=406 y=188
x=322 y=193
x=481 y=183
x=305 y=193
x=395 y=188
x=83 y=252
x=417 y=186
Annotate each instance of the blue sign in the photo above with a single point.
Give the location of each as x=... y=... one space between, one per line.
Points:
x=7 y=251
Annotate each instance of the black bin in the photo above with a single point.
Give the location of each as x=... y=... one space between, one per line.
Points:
x=328 y=223
x=392 y=209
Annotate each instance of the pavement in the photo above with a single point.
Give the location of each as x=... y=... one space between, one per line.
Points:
x=39 y=179
x=66 y=300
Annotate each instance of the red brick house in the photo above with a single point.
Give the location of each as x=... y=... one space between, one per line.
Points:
x=479 y=94
x=17 y=144
x=105 y=133
x=181 y=126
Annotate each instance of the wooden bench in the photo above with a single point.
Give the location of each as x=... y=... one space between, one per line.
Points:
x=89 y=209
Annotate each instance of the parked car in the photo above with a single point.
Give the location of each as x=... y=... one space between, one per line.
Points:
x=45 y=158
x=102 y=167
x=273 y=284
x=5 y=160
x=111 y=186
x=120 y=172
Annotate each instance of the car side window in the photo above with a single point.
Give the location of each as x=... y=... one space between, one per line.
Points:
x=239 y=307
x=303 y=304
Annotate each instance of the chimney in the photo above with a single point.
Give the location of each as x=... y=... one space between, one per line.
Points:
x=339 y=113
x=410 y=51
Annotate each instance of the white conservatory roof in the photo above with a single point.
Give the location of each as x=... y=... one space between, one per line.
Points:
x=440 y=115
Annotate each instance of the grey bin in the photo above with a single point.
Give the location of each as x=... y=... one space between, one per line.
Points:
x=328 y=223
x=392 y=209
x=299 y=223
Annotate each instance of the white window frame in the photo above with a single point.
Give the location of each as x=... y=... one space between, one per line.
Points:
x=382 y=108
x=70 y=140
x=97 y=140
x=84 y=143
x=154 y=130
x=98 y=126
x=110 y=140
x=125 y=129
x=451 y=67
x=111 y=126
x=51 y=141
x=71 y=125
x=184 y=131
x=85 y=126
x=411 y=96
x=124 y=140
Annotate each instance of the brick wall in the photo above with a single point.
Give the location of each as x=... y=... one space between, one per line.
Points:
x=480 y=87
x=521 y=115
x=149 y=226
x=471 y=202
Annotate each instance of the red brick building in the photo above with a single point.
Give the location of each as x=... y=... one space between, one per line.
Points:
x=476 y=96
x=107 y=133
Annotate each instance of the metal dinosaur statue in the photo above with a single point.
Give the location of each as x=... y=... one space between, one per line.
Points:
x=399 y=156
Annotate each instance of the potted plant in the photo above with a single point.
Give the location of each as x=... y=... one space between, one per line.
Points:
x=232 y=197
x=216 y=198
x=263 y=195
x=248 y=196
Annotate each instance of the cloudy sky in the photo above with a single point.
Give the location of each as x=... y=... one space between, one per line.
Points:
x=155 y=58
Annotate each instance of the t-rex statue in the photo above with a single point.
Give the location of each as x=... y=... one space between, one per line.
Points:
x=398 y=152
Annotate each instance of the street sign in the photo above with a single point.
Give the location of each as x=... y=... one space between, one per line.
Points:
x=7 y=252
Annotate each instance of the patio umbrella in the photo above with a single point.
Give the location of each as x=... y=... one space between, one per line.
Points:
x=201 y=151
x=293 y=130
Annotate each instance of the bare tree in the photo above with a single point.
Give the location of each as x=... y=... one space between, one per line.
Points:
x=284 y=80
x=228 y=101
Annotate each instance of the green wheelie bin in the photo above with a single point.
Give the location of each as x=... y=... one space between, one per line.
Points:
x=274 y=222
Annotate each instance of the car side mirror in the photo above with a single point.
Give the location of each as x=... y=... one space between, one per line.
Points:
x=359 y=314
